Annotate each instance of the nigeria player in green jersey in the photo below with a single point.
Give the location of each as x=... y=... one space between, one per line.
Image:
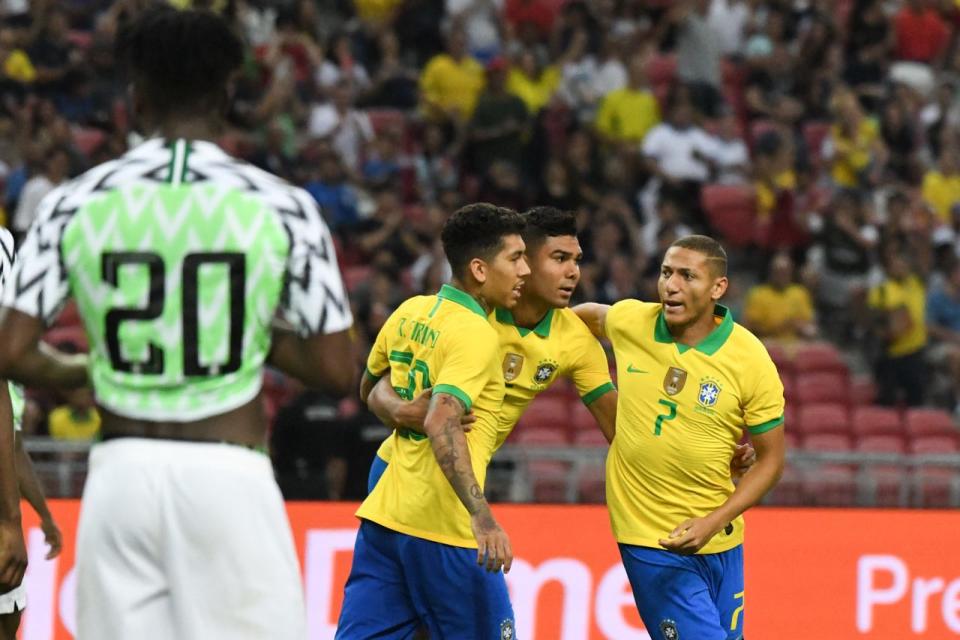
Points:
x=190 y=270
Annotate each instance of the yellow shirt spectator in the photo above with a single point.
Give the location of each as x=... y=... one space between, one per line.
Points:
x=447 y=84
x=626 y=115
x=908 y=297
x=71 y=423
x=777 y=312
x=767 y=195
x=375 y=11
x=18 y=67
x=853 y=154
x=941 y=192
x=535 y=92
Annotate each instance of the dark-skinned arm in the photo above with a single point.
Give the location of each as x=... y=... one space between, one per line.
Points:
x=594 y=315
x=442 y=426
x=395 y=412
x=13 y=552
x=32 y=492
x=604 y=411
x=323 y=361
x=25 y=359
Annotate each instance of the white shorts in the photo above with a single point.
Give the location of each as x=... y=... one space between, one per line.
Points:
x=186 y=541
x=13 y=601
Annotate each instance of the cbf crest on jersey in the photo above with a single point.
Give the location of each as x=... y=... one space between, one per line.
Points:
x=506 y=630
x=669 y=630
x=674 y=380
x=512 y=364
x=709 y=392
x=545 y=371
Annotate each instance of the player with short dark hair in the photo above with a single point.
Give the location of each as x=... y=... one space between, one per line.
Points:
x=690 y=378
x=191 y=269
x=426 y=530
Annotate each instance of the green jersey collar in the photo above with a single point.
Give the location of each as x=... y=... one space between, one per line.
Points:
x=451 y=293
x=709 y=345
x=542 y=329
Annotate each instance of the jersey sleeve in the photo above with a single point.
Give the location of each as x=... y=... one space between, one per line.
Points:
x=378 y=362
x=314 y=299
x=37 y=284
x=589 y=369
x=470 y=360
x=763 y=405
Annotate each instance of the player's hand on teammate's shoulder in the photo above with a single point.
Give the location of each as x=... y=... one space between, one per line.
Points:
x=493 y=544
x=744 y=457
x=13 y=555
x=413 y=413
x=691 y=535
x=52 y=536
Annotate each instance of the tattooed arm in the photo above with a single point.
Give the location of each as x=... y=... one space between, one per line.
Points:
x=443 y=426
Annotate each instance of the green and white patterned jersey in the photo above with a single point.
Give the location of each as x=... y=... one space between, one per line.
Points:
x=17 y=400
x=180 y=259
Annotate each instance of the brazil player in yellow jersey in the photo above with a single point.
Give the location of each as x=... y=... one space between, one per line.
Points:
x=689 y=378
x=541 y=340
x=426 y=530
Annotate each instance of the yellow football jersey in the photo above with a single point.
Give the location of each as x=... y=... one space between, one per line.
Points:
x=560 y=346
x=444 y=342
x=680 y=414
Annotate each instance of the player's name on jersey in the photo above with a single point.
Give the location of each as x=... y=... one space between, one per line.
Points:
x=421 y=333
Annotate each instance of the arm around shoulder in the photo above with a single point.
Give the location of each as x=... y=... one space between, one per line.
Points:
x=594 y=315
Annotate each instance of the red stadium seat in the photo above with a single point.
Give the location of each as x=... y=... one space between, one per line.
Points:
x=830 y=486
x=827 y=442
x=791 y=439
x=933 y=444
x=548 y=481
x=876 y=421
x=591 y=486
x=930 y=422
x=386 y=119
x=885 y=486
x=879 y=444
x=936 y=488
x=590 y=439
x=823 y=418
x=789 y=388
x=547 y=413
x=662 y=70
x=540 y=437
x=863 y=391
x=731 y=210
x=820 y=356
x=821 y=387
x=814 y=133
x=561 y=388
x=781 y=358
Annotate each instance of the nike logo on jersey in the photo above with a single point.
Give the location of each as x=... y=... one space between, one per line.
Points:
x=630 y=369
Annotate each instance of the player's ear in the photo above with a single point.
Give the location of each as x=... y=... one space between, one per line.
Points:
x=719 y=288
x=478 y=269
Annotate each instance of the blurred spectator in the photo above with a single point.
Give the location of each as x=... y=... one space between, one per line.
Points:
x=51 y=52
x=386 y=233
x=940 y=117
x=728 y=19
x=611 y=72
x=854 y=147
x=667 y=219
x=698 y=54
x=502 y=185
x=941 y=185
x=679 y=154
x=437 y=164
x=556 y=189
x=15 y=64
x=383 y=161
x=626 y=115
x=339 y=64
x=56 y=167
x=898 y=304
x=272 y=156
x=451 y=82
x=332 y=191
x=921 y=34
x=76 y=418
x=500 y=122
x=731 y=156
x=900 y=139
x=538 y=15
x=780 y=224
x=394 y=83
x=349 y=129
x=479 y=19
x=578 y=71
x=532 y=82
x=943 y=325
x=780 y=308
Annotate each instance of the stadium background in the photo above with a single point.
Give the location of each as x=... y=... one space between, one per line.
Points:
x=818 y=139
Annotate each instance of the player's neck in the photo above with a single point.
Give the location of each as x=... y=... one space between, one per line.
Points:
x=695 y=332
x=473 y=292
x=529 y=312
x=188 y=128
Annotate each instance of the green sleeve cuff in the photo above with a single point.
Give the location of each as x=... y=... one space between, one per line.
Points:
x=371 y=374
x=591 y=397
x=766 y=426
x=455 y=392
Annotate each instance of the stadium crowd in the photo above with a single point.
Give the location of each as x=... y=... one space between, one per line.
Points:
x=818 y=139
